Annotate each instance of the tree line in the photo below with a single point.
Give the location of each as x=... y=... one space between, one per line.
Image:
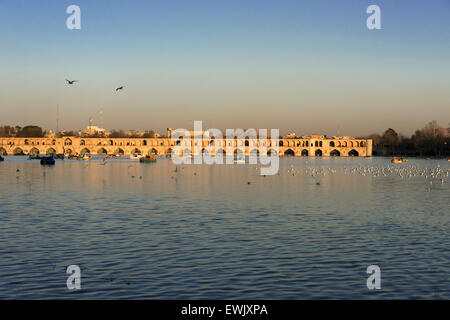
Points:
x=33 y=131
x=431 y=140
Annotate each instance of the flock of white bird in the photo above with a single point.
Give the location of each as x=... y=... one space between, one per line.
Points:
x=431 y=175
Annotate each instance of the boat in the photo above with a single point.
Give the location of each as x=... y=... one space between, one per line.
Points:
x=148 y=159
x=48 y=161
x=404 y=159
x=85 y=157
x=396 y=160
x=136 y=156
x=113 y=155
x=72 y=157
x=239 y=160
x=59 y=156
x=34 y=157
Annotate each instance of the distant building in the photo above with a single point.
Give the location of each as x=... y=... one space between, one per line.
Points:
x=94 y=130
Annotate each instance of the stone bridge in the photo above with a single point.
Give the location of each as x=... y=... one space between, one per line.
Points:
x=305 y=146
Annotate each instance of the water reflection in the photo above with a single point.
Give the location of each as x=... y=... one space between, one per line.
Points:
x=200 y=231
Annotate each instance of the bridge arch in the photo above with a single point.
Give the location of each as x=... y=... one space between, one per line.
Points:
x=50 y=151
x=85 y=151
x=18 y=152
x=136 y=151
x=289 y=152
x=254 y=153
x=335 y=153
x=68 y=142
x=34 y=151
x=318 y=153
x=119 y=151
x=102 y=151
x=353 y=153
x=3 y=152
x=270 y=152
x=304 y=153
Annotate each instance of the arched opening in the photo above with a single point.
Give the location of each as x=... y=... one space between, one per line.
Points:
x=119 y=152
x=361 y=144
x=271 y=152
x=205 y=152
x=85 y=151
x=67 y=142
x=144 y=143
x=254 y=153
x=51 y=151
x=53 y=142
x=68 y=151
x=289 y=153
x=344 y=143
x=18 y=152
x=111 y=143
x=136 y=151
x=239 y=154
x=154 y=151
x=220 y=152
x=332 y=144
x=3 y=152
x=335 y=153
x=34 y=151
x=82 y=143
x=353 y=153
x=281 y=143
x=304 y=153
x=26 y=142
x=186 y=152
x=102 y=151
x=318 y=153
x=169 y=152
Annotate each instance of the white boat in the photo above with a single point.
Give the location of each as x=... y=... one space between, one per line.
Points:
x=239 y=160
x=136 y=156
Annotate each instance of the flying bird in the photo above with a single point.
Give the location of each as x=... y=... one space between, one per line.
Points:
x=119 y=88
x=71 y=81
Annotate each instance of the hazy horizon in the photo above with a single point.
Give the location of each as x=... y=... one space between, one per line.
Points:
x=310 y=67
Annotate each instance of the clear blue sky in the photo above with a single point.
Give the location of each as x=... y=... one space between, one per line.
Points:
x=308 y=66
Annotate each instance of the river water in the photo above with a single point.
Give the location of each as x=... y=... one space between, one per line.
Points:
x=154 y=231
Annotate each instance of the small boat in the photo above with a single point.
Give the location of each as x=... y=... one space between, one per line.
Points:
x=85 y=157
x=148 y=159
x=59 y=156
x=404 y=159
x=113 y=155
x=368 y=157
x=48 y=161
x=396 y=160
x=72 y=157
x=239 y=160
x=34 y=157
x=136 y=156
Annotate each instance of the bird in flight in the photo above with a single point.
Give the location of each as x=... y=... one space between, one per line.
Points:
x=119 y=88
x=71 y=81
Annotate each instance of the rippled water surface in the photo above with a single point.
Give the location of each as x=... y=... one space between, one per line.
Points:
x=223 y=231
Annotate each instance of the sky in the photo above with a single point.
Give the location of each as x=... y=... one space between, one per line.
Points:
x=311 y=67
